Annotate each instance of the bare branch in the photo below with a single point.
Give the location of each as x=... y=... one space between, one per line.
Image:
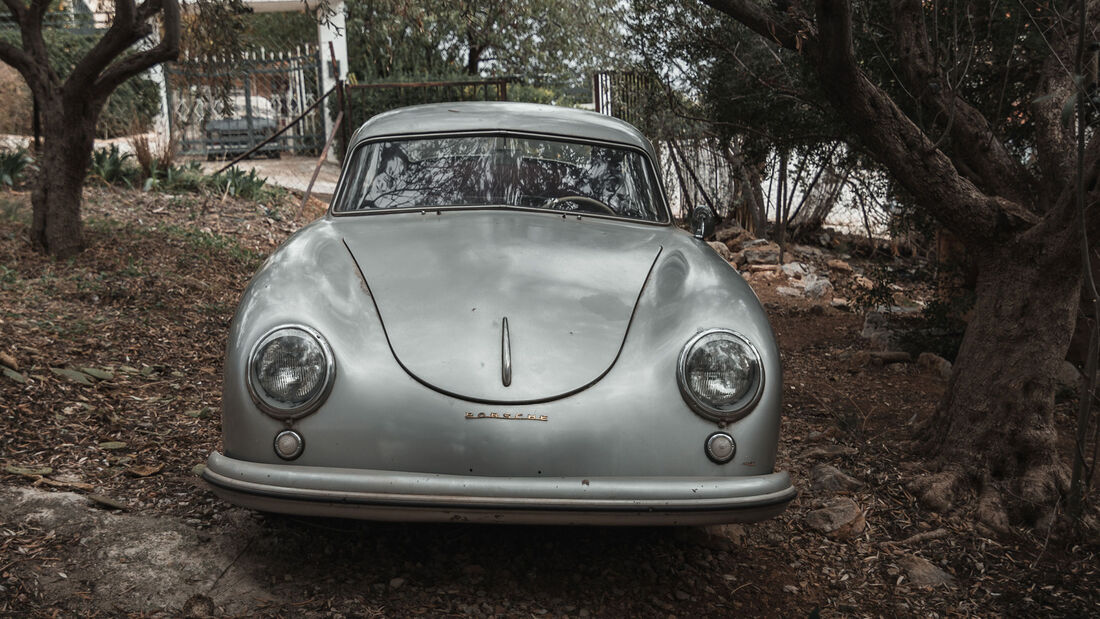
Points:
x=17 y=9
x=166 y=50
x=124 y=32
x=991 y=166
x=897 y=142
x=16 y=58
x=782 y=28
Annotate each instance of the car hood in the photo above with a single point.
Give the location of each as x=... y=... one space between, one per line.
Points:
x=444 y=282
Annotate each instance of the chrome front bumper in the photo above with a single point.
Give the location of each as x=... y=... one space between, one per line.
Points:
x=391 y=495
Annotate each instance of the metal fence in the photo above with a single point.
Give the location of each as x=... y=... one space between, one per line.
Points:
x=219 y=109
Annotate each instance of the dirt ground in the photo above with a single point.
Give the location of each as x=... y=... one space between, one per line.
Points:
x=102 y=513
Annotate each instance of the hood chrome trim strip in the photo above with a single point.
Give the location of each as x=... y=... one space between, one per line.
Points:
x=505 y=354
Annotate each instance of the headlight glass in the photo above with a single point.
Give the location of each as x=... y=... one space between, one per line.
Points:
x=290 y=372
x=720 y=375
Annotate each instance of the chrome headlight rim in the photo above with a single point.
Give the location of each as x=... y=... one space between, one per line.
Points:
x=700 y=407
x=267 y=404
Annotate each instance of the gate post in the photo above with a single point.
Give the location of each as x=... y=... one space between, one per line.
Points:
x=332 y=31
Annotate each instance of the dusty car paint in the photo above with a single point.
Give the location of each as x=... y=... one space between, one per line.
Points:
x=412 y=305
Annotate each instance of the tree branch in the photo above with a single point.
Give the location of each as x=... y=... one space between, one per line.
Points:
x=166 y=50
x=973 y=140
x=123 y=33
x=897 y=142
x=16 y=58
x=17 y=9
x=785 y=29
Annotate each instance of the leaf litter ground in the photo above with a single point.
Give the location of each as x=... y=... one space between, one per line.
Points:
x=114 y=400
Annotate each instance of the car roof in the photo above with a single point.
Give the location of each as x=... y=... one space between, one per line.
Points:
x=472 y=116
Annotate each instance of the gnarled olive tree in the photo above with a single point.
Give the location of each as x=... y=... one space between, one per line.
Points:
x=992 y=436
x=70 y=106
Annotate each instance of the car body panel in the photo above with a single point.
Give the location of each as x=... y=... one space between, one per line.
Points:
x=617 y=416
x=567 y=289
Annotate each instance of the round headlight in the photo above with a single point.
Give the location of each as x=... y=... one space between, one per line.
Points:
x=720 y=375
x=290 y=371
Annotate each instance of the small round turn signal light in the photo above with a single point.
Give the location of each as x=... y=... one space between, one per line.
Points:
x=289 y=444
x=720 y=447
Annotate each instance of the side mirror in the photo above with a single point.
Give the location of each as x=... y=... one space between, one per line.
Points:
x=702 y=222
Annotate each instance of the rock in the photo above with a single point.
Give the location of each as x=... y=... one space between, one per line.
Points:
x=828 y=478
x=681 y=595
x=829 y=451
x=839 y=303
x=732 y=235
x=923 y=573
x=839 y=265
x=935 y=364
x=722 y=250
x=395 y=583
x=816 y=287
x=795 y=270
x=1069 y=378
x=864 y=283
x=768 y=253
x=754 y=243
x=788 y=291
x=840 y=519
x=808 y=250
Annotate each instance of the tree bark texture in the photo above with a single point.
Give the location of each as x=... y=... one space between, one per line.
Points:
x=69 y=105
x=994 y=431
x=57 y=228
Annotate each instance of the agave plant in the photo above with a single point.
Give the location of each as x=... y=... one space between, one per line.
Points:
x=13 y=166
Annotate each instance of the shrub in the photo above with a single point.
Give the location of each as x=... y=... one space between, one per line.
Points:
x=13 y=166
x=109 y=165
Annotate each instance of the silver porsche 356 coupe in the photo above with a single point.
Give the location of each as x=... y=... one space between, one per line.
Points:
x=496 y=321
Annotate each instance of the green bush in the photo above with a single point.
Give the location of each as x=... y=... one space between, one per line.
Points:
x=110 y=166
x=13 y=166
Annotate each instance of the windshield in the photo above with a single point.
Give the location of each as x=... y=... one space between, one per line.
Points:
x=473 y=171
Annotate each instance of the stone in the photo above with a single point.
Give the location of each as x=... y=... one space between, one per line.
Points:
x=874 y=321
x=789 y=291
x=935 y=364
x=828 y=478
x=731 y=231
x=923 y=573
x=722 y=250
x=816 y=287
x=1069 y=378
x=396 y=583
x=839 y=303
x=840 y=519
x=768 y=253
x=795 y=270
x=839 y=265
x=864 y=283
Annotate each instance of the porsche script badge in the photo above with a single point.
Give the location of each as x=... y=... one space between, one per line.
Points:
x=518 y=416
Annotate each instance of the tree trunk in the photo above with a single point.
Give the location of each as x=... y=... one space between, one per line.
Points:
x=994 y=431
x=57 y=193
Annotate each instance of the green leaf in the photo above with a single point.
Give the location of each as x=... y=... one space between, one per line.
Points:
x=112 y=445
x=73 y=375
x=16 y=376
x=98 y=374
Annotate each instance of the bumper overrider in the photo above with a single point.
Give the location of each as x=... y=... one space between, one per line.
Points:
x=425 y=497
